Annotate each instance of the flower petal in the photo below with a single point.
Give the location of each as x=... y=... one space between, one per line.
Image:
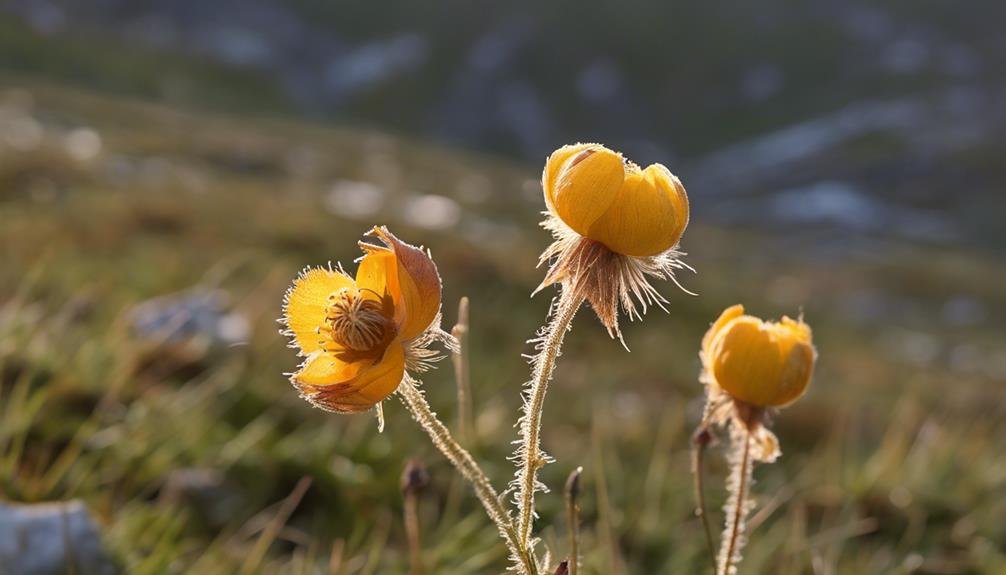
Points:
x=581 y=182
x=728 y=314
x=304 y=305
x=761 y=363
x=372 y=383
x=798 y=358
x=648 y=217
x=416 y=288
x=746 y=362
x=324 y=368
x=377 y=275
x=554 y=164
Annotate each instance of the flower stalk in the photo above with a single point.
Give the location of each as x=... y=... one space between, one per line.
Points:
x=573 y=518
x=738 y=502
x=441 y=437
x=700 y=440
x=529 y=456
x=414 y=480
x=462 y=373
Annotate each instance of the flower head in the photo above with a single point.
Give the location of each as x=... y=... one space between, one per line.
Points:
x=359 y=335
x=761 y=363
x=750 y=366
x=606 y=198
x=615 y=224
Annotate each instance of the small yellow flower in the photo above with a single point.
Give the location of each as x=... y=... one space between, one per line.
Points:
x=604 y=197
x=749 y=367
x=762 y=364
x=359 y=335
x=615 y=226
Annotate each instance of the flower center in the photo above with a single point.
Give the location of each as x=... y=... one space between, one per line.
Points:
x=356 y=322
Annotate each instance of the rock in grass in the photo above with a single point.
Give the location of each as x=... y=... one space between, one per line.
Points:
x=51 y=539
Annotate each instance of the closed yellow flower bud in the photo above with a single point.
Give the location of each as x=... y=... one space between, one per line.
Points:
x=603 y=197
x=763 y=364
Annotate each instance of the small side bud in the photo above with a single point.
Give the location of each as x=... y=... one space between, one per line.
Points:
x=573 y=517
x=415 y=477
x=573 y=485
x=703 y=437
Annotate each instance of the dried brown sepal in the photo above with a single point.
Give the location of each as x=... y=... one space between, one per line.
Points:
x=606 y=279
x=724 y=411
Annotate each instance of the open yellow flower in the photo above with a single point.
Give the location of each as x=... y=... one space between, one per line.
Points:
x=763 y=364
x=615 y=225
x=359 y=335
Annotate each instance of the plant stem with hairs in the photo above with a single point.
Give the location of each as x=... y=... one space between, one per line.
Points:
x=462 y=373
x=738 y=503
x=530 y=457
x=414 y=400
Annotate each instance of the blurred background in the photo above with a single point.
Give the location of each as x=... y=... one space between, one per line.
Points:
x=167 y=166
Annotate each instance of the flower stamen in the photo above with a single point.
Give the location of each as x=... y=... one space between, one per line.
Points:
x=354 y=321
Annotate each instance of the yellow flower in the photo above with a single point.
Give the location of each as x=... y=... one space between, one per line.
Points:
x=606 y=198
x=615 y=226
x=762 y=364
x=358 y=335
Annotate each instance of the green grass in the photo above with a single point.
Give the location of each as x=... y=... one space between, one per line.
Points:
x=893 y=463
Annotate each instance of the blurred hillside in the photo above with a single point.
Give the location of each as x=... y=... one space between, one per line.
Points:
x=882 y=119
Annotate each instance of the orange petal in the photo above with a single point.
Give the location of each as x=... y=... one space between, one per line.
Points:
x=377 y=274
x=762 y=363
x=372 y=384
x=728 y=314
x=581 y=186
x=304 y=305
x=554 y=163
x=647 y=217
x=324 y=368
x=415 y=286
x=798 y=358
x=746 y=362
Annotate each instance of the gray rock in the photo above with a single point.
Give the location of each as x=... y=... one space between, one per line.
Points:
x=51 y=539
x=196 y=314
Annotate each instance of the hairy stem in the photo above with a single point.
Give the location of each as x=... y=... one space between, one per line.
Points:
x=738 y=504
x=530 y=457
x=700 y=440
x=469 y=469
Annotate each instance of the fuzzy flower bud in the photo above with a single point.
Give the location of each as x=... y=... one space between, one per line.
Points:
x=606 y=198
x=615 y=227
x=761 y=363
